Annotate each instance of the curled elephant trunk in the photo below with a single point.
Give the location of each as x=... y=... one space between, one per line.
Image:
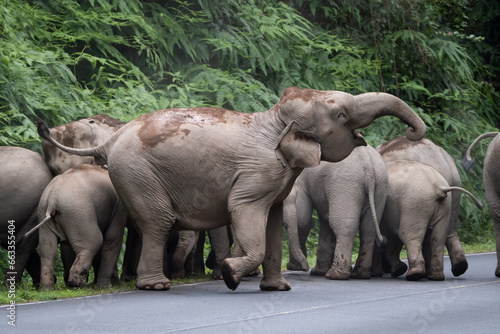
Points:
x=374 y=105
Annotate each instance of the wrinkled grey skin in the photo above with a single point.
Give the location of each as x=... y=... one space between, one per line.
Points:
x=94 y=131
x=491 y=182
x=346 y=195
x=23 y=177
x=417 y=214
x=208 y=167
x=428 y=153
x=81 y=207
x=84 y=133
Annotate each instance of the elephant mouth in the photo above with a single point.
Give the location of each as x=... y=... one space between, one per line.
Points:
x=359 y=139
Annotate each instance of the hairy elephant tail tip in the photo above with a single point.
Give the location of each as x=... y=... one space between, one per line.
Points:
x=468 y=163
x=382 y=242
x=43 y=129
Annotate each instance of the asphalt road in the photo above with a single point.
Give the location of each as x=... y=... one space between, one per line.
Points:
x=467 y=304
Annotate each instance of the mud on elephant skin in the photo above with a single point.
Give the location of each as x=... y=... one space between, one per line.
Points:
x=246 y=162
x=417 y=214
x=428 y=153
x=347 y=195
x=23 y=178
x=81 y=207
x=83 y=133
x=491 y=182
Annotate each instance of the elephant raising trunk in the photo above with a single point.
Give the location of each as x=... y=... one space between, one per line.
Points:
x=384 y=104
x=208 y=167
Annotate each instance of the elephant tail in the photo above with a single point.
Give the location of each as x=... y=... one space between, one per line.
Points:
x=48 y=216
x=370 y=181
x=468 y=161
x=99 y=152
x=448 y=189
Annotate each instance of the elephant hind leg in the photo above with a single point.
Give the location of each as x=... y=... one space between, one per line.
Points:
x=48 y=252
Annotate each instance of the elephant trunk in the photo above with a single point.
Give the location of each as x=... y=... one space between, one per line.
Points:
x=374 y=105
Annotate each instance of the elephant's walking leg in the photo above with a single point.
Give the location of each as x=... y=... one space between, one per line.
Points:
x=48 y=252
x=219 y=241
x=344 y=224
x=111 y=247
x=434 y=255
x=413 y=242
x=362 y=268
x=273 y=280
x=85 y=251
x=326 y=248
x=67 y=257
x=391 y=254
x=186 y=243
x=298 y=214
x=249 y=222
x=493 y=199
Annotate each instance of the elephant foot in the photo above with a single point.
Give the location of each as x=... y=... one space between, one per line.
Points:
x=497 y=271
x=361 y=273
x=399 y=270
x=127 y=278
x=253 y=273
x=229 y=274
x=459 y=268
x=178 y=274
x=376 y=273
x=153 y=283
x=77 y=281
x=280 y=284
x=318 y=272
x=436 y=277
x=217 y=274
x=415 y=274
x=336 y=274
x=103 y=285
x=293 y=266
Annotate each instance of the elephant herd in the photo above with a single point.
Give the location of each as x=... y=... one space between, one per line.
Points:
x=172 y=173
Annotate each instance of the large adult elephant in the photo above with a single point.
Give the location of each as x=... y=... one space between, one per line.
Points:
x=428 y=153
x=201 y=168
x=23 y=177
x=346 y=195
x=491 y=181
x=94 y=131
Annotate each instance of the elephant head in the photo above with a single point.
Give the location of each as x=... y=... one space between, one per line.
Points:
x=84 y=133
x=320 y=125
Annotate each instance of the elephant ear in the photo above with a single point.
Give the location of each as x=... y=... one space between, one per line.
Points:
x=297 y=149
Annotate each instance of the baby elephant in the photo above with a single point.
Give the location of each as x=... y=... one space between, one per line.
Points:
x=82 y=208
x=417 y=214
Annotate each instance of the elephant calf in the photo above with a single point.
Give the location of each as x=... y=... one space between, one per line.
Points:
x=81 y=207
x=417 y=214
x=344 y=194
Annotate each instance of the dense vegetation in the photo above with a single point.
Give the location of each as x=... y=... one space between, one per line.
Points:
x=61 y=60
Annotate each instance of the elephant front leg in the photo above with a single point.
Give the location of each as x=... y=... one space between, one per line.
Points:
x=273 y=280
x=249 y=223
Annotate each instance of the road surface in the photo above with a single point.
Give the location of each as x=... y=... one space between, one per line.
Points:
x=467 y=304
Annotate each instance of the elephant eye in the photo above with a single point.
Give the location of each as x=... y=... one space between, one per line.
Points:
x=341 y=114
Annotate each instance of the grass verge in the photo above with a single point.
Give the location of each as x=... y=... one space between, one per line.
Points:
x=26 y=293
